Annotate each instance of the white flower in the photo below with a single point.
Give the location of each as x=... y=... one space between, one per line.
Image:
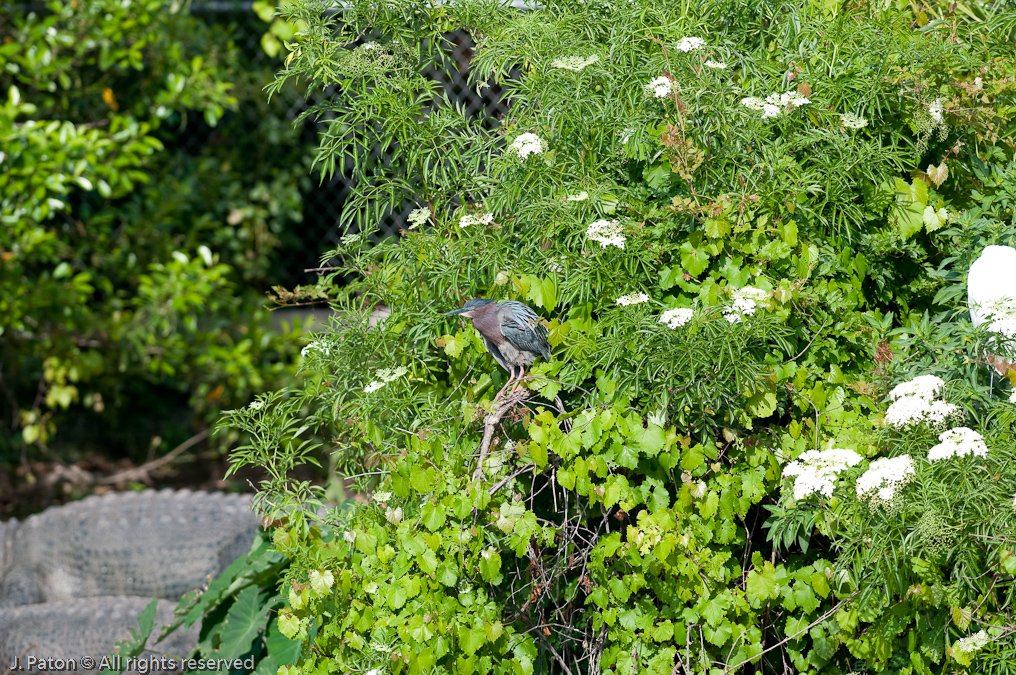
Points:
x=316 y=346
x=775 y=104
x=677 y=317
x=816 y=471
x=1012 y=396
x=382 y=496
x=256 y=405
x=349 y=536
x=575 y=63
x=372 y=387
x=632 y=299
x=387 y=375
x=972 y=643
x=606 y=232
x=690 y=44
x=935 y=110
x=501 y=279
x=791 y=98
x=660 y=87
x=884 y=477
x=923 y=386
x=480 y=219
x=580 y=197
x=958 y=442
x=714 y=64
x=916 y=410
x=852 y=121
x=418 y=217
x=746 y=301
x=527 y=144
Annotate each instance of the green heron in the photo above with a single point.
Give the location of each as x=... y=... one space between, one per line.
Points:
x=512 y=333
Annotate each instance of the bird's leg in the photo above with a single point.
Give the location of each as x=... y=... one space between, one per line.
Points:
x=522 y=373
x=511 y=377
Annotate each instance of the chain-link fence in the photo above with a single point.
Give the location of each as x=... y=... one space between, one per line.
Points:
x=323 y=202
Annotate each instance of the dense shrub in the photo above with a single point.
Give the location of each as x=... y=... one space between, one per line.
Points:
x=139 y=216
x=744 y=224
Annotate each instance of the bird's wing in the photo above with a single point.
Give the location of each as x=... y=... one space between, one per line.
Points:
x=496 y=353
x=521 y=326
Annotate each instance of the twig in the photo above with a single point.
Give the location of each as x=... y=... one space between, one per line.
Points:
x=491 y=421
x=140 y=472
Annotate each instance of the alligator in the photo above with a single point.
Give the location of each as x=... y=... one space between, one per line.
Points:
x=74 y=578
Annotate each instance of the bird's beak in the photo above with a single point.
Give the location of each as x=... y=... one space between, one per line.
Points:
x=461 y=310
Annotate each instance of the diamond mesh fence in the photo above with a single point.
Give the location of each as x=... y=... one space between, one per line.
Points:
x=323 y=200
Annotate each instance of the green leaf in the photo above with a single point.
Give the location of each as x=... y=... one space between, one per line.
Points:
x=651 y=439
x=761 y=586
x=471 y=638
x=427 y=561
x=694 y=259
x=762 y=405
x=490 y=565
x=242 y=624
x=692 y=457
x=433 y=516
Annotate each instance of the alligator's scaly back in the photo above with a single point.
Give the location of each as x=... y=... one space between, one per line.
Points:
x=149 y=544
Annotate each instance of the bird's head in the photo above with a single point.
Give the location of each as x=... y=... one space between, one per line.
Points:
x=468 y=309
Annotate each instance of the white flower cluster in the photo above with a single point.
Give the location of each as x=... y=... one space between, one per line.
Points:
x=606 y=232
x=690 y=44
x=677 y=317
x=418 y=217
x=923 y=386
x=1000 y=317
x=884 y=477
x=660 y=87
x=714 y=64
x=935 y=110
x=384 y=376
x=816 y=471
x=481 y=219
x=972 y=643
x=352 y=239
x=958 y=442
x=527 y=144
x=775 y=104
x=632 y=299
x=575 y=63
x=1012 y=396
x=852 y=121
x=746 y=301
x=915 y=410
x=316 y=346
x=914 y=403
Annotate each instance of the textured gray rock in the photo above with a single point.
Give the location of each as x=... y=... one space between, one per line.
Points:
x=74 y=578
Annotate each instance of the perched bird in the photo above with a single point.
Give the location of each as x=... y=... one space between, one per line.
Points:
x=991 y=296
x=512 y=333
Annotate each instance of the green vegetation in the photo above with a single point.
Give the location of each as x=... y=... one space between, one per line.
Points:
x=131 y=260
x=744 y=224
